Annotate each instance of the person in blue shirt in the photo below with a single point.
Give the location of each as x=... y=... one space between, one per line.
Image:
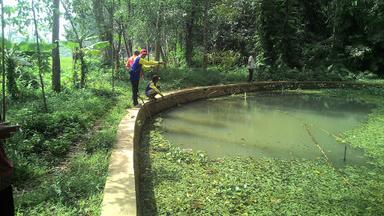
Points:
x=152 y=88
x=136 y=70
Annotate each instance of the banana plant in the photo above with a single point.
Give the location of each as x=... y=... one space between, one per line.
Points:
x=77 y=44
x=81 y=53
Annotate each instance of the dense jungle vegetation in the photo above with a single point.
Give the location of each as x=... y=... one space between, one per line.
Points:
x=65 y=83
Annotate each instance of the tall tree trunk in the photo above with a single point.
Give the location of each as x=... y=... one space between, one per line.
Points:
x=130 y=43
x=114 y=54
x=105 y=33
x=39 y=62
x=313 y=20
x=120 y=32
x=287 y=33
x=338 y=25
x=163 y=54
x=158 y=34
x=75 y=57
x=11 y=77
x=127 y=39
x=83 y=66
x=205 y=35
x=118 y=50
x=2 y=117
x=79 y=53
x=189 y=34
x=55 y=51
x=266 y=10
x=126 y=43
x=129 y=7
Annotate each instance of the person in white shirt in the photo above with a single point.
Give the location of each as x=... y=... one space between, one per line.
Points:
x=251 y=67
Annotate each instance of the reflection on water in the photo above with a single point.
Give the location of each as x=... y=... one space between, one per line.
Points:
x=273 y=125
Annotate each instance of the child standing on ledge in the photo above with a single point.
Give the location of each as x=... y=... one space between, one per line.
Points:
x=152 y=88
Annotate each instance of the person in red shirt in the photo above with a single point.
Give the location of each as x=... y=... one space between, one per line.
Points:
x=131 y=59
x=6 y=170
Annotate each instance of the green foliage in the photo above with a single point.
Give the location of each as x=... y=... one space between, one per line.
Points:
x=68 y=192
x=21 y=61
x=172 y=78
x=176 y=58
x=369 y=136
x=31 y=47
x=226 y=59
x=11 y=77
x=51 y=134
x=303 y=34
x=71 y=45
x=61 y=157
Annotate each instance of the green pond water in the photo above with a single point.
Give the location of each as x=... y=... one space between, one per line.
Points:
x=274 y=125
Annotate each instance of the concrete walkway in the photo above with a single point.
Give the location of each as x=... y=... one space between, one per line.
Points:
x=119 y=192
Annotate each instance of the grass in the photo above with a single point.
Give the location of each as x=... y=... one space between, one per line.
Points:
x=69 y=181
x=61 y=156
x=175 y=182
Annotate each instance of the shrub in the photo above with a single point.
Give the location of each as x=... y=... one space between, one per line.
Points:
x=225 y=59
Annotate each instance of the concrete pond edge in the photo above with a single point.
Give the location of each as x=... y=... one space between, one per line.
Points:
x=122 y=185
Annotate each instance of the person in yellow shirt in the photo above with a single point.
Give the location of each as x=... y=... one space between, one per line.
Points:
x=153 y=88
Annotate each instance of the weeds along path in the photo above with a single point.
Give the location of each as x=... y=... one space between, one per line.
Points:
x=77 y=145
x=74 y=184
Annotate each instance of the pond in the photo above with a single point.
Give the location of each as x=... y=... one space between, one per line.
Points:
x=274 y=125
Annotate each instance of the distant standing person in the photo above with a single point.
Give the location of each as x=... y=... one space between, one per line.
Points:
x=153 y=88
x=136 y=71
x=251 y=68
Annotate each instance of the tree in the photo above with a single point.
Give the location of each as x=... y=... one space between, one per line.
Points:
x=265 y=32
x=104 y=28
x=290 y=33
x=55 y=50
x=78 y=50
x=189 y=29
x=205 y=34
x=38 y=53
x=2 y=117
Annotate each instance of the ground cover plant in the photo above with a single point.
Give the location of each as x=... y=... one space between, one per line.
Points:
x=64 y=81
x=178 y=182
x=61 y=156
